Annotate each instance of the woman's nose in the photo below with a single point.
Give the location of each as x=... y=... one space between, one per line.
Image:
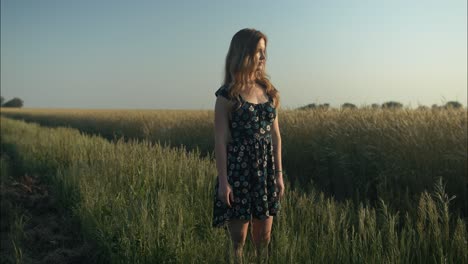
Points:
x=262 y=56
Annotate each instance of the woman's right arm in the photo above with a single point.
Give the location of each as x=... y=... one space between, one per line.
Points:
x=222 y=136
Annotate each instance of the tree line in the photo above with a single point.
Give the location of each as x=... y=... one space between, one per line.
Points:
x=18 y=102
x=386 y=105
x=15 y=102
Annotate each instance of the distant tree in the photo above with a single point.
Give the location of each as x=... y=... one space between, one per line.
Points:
x=434 y=106
x=348 y=105
x=375 y=106
x=307 y=107
x=453 y=104
x=422 y=107
x=1 y=100
x=15 y=102
x=392 y=105
x=324 y=106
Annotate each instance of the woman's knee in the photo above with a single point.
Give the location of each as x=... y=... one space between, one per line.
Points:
x=238 y=231
x=261 y=231
x=262 y=239
x=238 y=238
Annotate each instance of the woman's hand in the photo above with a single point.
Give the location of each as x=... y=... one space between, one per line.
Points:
x=280 y=185
x=225 y=194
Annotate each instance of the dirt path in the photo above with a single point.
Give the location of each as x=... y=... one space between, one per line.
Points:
x=40 y=232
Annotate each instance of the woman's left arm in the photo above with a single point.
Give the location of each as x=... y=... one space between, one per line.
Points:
x=276 y=136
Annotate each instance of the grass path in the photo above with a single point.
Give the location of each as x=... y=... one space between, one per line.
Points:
x=33 y=228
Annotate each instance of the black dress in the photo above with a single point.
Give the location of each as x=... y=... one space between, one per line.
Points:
x=250 y=164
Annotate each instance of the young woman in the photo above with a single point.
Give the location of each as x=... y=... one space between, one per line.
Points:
x=249 y=185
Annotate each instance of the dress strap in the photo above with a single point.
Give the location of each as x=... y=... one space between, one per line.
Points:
x=223 y=92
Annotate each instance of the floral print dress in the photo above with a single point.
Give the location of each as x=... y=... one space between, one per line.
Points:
x=250 y=164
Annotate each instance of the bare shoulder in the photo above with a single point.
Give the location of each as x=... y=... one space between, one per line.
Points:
x=223 y=104
x=222 y=97
x=223 y=91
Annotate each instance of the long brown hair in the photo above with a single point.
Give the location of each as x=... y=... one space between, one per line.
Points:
x=240 y=64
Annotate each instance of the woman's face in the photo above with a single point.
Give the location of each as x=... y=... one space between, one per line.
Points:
x=260 y=57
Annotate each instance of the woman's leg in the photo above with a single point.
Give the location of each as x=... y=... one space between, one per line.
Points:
x=260 y=234
x=238 y=231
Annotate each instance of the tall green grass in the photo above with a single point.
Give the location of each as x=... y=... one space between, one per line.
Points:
x=358 y=154
x=146 y=203
x=12 y=219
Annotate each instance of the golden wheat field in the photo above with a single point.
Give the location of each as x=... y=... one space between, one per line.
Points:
x=362 y=185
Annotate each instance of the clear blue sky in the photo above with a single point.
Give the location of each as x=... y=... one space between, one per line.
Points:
x=170 y=54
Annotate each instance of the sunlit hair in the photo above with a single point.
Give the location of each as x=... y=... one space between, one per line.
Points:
x=240 y=64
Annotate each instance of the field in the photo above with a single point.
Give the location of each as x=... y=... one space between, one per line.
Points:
x=363 y=186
